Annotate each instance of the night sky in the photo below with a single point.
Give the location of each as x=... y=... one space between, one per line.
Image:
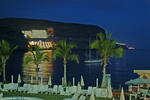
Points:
x=129 y=20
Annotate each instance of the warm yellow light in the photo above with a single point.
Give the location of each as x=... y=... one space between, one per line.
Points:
x=31 y=43
x=43 y=44
x=120 y=43
x=131 y=48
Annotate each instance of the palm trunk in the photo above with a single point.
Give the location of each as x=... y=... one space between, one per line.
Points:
x=65 y=80
x=103 y=85
x=37 y=77
x=4 y=75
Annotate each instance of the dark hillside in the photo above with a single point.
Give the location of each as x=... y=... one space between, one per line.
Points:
x=10 y=30
x=61 y=29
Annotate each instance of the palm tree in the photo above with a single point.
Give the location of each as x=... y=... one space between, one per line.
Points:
x=64 y=50
x=5 y=53
x=106 y=48
x=36 y=57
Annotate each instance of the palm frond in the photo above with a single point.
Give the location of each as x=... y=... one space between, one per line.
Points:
x=44 y=56
x=61 y=44
x=5 y=49
x=54 y=55
x=74 y=57
x=27 y=60
x=71 y=45
x=69 y=48
x=64 y=50
x=13 y=49
x=59 y=49
x=37 y=56
x=106 y=46
x=95 y=44
x=101 y=37
x=57 y=54
x=37 y=52
x=118 y=52
x=110 y=35
x=113 y=43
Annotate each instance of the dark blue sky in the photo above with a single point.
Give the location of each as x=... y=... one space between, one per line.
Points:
x=129 y=20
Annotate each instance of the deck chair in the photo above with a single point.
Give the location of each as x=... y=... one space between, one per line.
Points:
x=55 y=89
x=74 y=97
x=90 y=89
x=82 y=97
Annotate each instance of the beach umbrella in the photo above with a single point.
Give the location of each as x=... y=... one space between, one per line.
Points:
x=138 y=81
x=96 y=82
x=122 y=95
x=50 y=81
x=31 y=79
x=41 y=80
x=109 y=94
x=12 y=79
x=73 y=83
x=19 y=78
x=145 y=97
x=92 y=96
x=79 y=88
x=82 y=81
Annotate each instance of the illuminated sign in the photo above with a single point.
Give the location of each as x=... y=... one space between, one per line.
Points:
x=35 y=33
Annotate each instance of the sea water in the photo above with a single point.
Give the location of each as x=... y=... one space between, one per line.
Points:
x=121 y=69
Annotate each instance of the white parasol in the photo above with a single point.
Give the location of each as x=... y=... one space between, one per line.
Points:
x=50 y=81
x=19 y=78
x=12 y=79
x=122 y=95
x=82 y=81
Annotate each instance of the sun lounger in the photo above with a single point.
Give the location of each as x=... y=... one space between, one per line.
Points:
x=61 y=90
x=6 y=87
x=90 y=89
x=68 y=91
x=10 y=87
x=74 y=97
x=55 y=89
x=84 y=91
x=82 y=97
x=42 y=88
x=26 y=87
x=94 y=90
x=101 y=92
x=14 y=87
x=33 y=89
x=20 y=89
x=73 y=89
x=50 y=90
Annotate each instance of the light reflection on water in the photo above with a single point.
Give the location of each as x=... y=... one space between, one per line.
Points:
x=45 y=70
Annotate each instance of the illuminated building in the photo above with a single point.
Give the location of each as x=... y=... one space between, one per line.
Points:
x=39 y=38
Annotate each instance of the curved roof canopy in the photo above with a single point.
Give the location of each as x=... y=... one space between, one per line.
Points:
x=138 y=81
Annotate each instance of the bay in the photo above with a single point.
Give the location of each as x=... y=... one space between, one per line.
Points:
x=121 y=69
